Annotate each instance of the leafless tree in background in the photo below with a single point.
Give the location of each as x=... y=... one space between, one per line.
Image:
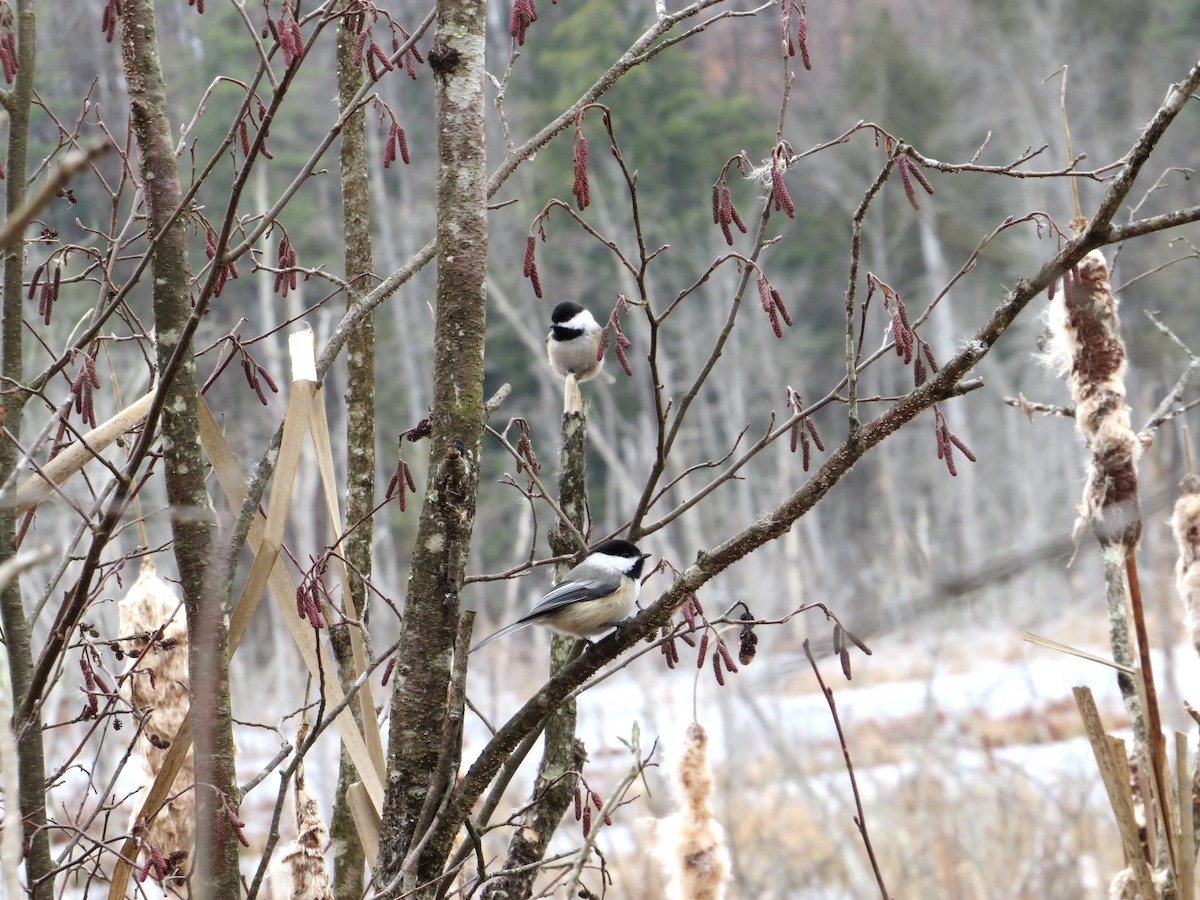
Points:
x=194 y=253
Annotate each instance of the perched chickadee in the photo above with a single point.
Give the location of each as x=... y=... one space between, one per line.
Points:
x=573 y=341
x=591 y=598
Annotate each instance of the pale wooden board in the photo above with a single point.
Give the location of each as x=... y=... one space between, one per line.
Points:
x=1186 y=881
x=1114 y=772
x=34 y=489
x=366 y=820
x=283 y=588
x=319 y=429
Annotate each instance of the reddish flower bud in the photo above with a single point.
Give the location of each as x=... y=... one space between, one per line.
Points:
x=530 y=269
x=774 y=316
x=620 y=351
x=389 y=148
x=726 y=656
x=812 y=429
x=33 y=282
x=958 y=442
x=720 y=676
x=403 y=142
x=580 y=188
x=524 y=13
x=903 y=165
x=268 y=379
x=802 y=35
x=920 y=176
x=377 y=52
x=950 y=465
x=360 y=43
x=779 y=193
x=778 y=300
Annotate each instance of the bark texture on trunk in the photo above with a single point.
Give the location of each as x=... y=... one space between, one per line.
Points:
x=553 y=788
x=439 y=559
x=348 y=857
x=215 y=869
x=31 y=765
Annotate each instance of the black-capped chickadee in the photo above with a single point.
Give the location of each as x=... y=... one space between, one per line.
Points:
x=593 y=597
x=573 y=341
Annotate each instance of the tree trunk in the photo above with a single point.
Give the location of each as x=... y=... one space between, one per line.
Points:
x=348 y=857
x=17 y=627
x=553 y=791
x=439 y=558
x=215 y=868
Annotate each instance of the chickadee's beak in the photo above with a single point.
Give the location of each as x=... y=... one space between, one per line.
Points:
x=645 y=556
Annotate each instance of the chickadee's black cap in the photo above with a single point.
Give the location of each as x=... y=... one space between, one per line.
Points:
x=564 y=311
x=618 y=547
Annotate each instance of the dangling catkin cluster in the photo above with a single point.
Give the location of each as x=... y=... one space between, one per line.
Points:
x=1086 y=348
x=299 y=873
x=1185 y=523
x=693 y=842
x=158 y=687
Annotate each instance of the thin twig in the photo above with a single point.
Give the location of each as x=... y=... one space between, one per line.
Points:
x=861 y=818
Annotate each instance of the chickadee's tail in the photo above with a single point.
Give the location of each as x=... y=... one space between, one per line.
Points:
x=515 y=626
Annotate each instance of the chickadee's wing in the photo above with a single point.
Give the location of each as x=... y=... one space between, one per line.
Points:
x=564 y=595
x=574 y=592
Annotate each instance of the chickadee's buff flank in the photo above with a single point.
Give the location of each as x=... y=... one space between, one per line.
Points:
x=593 y=597
x=573 y=341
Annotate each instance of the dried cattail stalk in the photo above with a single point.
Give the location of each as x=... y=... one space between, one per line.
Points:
x=299 y=873
x=1086 y=347
x=692 y=840
x=1185 y=523
x=158 y=687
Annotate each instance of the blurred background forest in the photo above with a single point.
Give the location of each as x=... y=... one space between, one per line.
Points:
x=940 y=576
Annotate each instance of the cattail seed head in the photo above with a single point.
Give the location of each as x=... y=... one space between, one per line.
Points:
x=692 y=843
x=1185 y=526
x=1085 y=345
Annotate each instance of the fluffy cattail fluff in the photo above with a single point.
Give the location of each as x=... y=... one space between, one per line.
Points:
x=299 y=873
x=1125 y=887
x=1185 y=523
x=158 y=687
x=692 y=841
x=1085 y=347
